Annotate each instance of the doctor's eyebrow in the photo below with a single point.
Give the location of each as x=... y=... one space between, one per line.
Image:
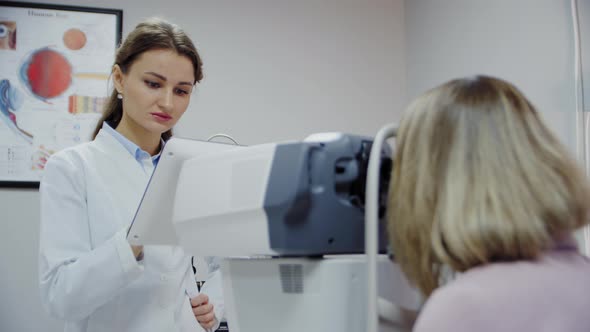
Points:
x=163 y=78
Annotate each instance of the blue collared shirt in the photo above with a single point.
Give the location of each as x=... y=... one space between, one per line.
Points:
x=137 y=153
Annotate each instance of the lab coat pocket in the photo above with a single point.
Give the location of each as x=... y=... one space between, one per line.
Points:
x=165 y=259
x=104 y=319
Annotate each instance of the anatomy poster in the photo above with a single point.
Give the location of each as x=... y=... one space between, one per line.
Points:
x=54 y=81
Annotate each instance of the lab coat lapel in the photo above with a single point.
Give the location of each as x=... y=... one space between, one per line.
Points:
x=127 y=179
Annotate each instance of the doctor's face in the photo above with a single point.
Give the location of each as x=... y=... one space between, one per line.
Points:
x=156 y=91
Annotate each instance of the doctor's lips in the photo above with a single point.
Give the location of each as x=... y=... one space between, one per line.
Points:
x=161 y=116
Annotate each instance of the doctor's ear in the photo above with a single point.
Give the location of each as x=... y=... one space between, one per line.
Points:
x=118 y=78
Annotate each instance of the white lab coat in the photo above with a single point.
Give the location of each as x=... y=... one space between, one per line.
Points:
x=88 y=275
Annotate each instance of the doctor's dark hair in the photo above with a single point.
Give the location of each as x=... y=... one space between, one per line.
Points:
x=151 y=34
x=479 y=178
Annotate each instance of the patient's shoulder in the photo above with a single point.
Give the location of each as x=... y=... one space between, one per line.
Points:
x=511 y=296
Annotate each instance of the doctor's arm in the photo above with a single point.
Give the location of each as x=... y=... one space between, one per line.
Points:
x=74 y=277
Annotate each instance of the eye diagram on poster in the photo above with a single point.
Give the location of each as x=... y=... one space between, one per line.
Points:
x=55 y=64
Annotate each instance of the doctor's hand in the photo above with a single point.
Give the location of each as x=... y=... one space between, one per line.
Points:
x=137 y=252
x=203 y=311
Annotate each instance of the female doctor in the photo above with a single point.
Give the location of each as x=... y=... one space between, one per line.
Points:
x=89 y=275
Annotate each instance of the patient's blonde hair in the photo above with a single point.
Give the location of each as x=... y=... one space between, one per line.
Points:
x=478 y=178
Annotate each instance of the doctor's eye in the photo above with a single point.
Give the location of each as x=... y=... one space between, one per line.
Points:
x=3 y=31
x=152 y=84
x=181 y=92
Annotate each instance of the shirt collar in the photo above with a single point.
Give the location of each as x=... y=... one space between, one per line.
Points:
x=565 y=241
x=133 y=149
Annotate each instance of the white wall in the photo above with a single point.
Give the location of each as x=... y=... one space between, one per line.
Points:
x=527 y=42
x=279 y=70
x=275 y=70
x=20 y=309
x=584 y=21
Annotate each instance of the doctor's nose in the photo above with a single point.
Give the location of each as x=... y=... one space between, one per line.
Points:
x=166 y=100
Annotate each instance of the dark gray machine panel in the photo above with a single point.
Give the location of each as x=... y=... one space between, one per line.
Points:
x=316 y=196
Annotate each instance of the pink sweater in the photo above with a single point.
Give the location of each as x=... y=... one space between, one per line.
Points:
x=551 y=294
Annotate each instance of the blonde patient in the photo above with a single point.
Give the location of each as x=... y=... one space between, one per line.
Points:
x=482 y=188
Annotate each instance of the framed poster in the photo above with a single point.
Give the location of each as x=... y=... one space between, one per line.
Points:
x=54 y=79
